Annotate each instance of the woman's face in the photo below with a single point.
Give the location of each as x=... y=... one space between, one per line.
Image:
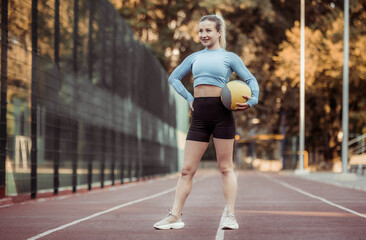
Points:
x=209 y=36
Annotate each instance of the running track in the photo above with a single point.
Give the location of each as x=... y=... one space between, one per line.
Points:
x=269 y=206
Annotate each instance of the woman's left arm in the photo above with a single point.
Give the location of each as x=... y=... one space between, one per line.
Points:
x=238 y=66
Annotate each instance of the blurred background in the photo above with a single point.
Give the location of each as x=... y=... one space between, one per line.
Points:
x=85 y=100
x=266 y=34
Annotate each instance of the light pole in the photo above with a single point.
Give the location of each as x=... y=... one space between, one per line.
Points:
x=302 y=88
x=345 y=89
x=254 y=122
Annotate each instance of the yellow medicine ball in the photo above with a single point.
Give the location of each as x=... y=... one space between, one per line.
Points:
x=233 y=93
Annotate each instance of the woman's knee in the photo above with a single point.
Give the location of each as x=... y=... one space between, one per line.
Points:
x=225 y=169
x=188 y=171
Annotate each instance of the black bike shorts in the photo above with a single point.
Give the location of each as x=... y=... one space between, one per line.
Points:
x=211 y=117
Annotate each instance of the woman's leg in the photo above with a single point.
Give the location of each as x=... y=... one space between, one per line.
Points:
x=224 y=154
x=193 y=153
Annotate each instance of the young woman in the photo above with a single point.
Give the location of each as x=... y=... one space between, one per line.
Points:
x=211 y=70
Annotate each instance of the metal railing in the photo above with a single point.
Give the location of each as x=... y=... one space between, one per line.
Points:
x=357 y=145
x=357 y=154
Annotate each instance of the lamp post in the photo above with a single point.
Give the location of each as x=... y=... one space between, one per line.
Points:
x=302 y=89
x=254 y=122
x=302 y=85
x=345 y=89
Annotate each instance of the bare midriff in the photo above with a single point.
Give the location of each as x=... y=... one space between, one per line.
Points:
x=204 y=90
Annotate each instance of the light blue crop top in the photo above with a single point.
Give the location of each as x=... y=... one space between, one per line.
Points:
x=213 y=67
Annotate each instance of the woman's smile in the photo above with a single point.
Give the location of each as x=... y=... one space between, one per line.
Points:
x=208 y=34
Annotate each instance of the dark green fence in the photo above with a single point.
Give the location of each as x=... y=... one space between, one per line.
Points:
x=83 y=102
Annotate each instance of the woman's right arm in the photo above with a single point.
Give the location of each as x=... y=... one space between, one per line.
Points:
x=175 y=79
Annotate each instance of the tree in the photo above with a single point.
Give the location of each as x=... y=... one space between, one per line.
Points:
x=266 y=35
x=324 y=61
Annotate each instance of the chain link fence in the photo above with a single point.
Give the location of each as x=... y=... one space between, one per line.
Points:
x=83 y=102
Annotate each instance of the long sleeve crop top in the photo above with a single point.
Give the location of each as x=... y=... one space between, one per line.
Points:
x=213 y=67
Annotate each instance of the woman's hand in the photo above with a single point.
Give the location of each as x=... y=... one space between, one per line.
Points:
x=191 y=106
x=242 y=106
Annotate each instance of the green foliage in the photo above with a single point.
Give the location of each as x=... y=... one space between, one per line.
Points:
x=266 y=34
x=324 y=64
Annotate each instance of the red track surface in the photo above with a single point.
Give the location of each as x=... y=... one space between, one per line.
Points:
x=269 y=206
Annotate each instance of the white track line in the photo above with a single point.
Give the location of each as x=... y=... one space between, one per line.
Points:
x=100 y=213
x=220 y=232
x=6 y=205
x=314 y=196
x=108 y=210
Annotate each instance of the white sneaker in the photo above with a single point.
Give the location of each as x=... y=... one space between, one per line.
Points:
x=229 y=221
x=169 y=222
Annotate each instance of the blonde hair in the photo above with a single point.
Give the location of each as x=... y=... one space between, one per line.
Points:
x=220 y=25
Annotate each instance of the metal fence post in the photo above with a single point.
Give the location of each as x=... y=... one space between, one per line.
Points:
x=4 y=89
x=34 y=99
